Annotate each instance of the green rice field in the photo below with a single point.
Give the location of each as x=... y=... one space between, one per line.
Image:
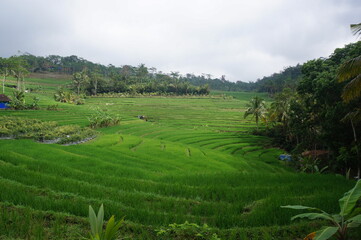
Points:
x=193 y=160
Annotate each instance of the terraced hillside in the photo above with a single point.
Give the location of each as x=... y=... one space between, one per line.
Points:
x=193 y=160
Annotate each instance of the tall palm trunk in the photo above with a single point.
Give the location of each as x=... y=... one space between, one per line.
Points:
x=4 y=84
x=96 y=86
x=23 y=83
x=357 y=150
x=257 y=121
x=18 y=83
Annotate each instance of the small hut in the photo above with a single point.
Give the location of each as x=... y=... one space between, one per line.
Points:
x=4 y=101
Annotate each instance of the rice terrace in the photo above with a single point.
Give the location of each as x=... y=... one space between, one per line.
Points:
x=108 y=152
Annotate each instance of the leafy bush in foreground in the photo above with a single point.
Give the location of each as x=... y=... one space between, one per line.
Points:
x=96 y=224
x=341 y=223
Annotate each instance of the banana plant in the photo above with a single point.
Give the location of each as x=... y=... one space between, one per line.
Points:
x=340 y=223
x=96 y=225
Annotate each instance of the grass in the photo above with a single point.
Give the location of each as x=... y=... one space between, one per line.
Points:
x=193 y=160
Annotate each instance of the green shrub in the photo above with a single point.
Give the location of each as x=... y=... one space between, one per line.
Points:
x=52 y=107
x=18 y=102
x=101 y=118
x=96 y=225
x=42 y=131
x=348 y=217
x=68 y=97
x=34 y=105
x=187 y=231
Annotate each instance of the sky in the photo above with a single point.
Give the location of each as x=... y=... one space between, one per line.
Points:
x=241 y=39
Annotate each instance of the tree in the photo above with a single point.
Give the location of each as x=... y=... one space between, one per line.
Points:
x=175 y=75
x=19 y=71
x=356 y=29
x=355 y=118
x=79 y=79
x=256 y=108
x=351 y=69
x=280 y=110
x=280 y=107
x=95 y=77
x=5 y=69
x=142 y=72
x=153 y=71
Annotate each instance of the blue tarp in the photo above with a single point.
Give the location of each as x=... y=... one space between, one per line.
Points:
x=3 y=105
x=285 y=157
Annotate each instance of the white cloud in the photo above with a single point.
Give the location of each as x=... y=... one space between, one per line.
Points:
x=243 y=40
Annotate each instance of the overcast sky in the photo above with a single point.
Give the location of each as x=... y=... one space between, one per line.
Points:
x=243 y=40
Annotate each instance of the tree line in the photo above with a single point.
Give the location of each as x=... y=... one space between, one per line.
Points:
x=135 y=80
x=91 y=79
x=142 y=75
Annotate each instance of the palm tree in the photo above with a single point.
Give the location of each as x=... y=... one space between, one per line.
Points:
x=19 y=71
x=356 y=29
x=280 y=107
x=5 y=70
x=256 y=108
x=79 y=79
x=355 y=118
x=351 y=70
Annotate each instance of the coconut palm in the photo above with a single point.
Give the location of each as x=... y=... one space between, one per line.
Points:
x=256 y=108
x=19 y=71
x=356 y=29
x=351 y=70
x=79 y=79
x=280 y=107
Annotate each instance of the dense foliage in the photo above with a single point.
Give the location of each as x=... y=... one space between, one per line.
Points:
x=315 y=117
x=288 y=78
x=136 y=81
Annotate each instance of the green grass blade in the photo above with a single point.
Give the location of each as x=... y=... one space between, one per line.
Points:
x=109 y=230
x=93 y=221
x=100 y=220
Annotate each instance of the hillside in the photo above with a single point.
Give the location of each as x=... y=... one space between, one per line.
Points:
x=193 y=160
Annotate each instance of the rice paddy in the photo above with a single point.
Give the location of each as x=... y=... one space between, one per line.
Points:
x=193 y=160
